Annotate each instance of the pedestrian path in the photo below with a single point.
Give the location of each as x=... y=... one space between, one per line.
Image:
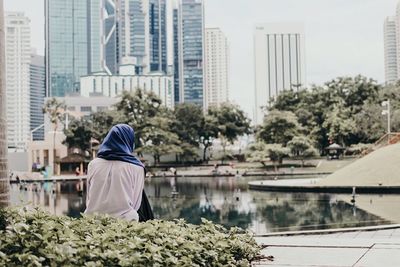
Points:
x=379 y=248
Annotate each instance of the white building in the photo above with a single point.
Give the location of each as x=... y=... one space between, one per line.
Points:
x=390 y=44
x=113 y=85
x=18 y=56
x=217 y=69
x=279 y=60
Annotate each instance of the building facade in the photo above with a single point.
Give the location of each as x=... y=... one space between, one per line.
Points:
x=73 y=43
x=390 y=46
x=279 y=57
x=158 y=35
x=18 y=56
x=127 y=80
x=217 y=67
x=37 y=95
x=190 y=20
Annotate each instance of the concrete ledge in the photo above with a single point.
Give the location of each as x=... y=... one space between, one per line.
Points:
x=332 y=231
x=308 y=185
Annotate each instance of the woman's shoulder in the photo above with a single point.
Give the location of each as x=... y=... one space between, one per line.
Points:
x=121 y=164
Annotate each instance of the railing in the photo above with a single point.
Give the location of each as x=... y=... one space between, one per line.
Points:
x=386 y=139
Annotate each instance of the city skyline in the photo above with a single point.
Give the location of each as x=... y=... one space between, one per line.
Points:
x=352 y=45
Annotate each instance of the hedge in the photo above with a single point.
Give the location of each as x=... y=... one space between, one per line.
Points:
x=33 y=237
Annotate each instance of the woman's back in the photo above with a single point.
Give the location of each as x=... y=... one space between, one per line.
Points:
x=114 y=187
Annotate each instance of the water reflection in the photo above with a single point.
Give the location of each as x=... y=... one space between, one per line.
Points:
x=223 y=200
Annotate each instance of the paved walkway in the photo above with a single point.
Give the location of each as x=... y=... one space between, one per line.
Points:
x=361 y=248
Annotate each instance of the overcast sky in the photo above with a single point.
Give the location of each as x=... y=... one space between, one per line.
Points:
x=343 y=37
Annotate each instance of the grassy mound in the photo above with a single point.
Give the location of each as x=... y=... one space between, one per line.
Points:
x=33 y=237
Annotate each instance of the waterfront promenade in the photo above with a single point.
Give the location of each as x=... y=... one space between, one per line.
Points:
x=359 y=247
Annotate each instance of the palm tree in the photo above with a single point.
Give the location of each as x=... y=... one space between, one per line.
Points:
x=4 y=180
x=55 y=110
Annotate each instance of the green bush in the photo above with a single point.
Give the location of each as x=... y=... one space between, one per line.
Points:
x=33 y=237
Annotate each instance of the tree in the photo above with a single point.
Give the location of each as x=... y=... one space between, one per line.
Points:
x=301 y=147
x=4 y=178
x=137 y=109
x=79 y=134
x=339 y=125
x=208 y=132
x=261 y=152
x=157 y=139
x=188 y=125
x=279 y=127
x=231 y=122
x=55 y=111
x=102 y=122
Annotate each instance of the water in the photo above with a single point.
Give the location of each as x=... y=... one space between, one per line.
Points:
x=224 y=200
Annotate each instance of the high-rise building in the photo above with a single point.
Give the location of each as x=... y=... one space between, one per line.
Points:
x=158 y=35
x=73 y=43
x=190 y=26
x=109 y=50
x=133 y=29
x=37 y=95
x=217 y=67
x=17 y=50
x=390 y=44
x=279 y=56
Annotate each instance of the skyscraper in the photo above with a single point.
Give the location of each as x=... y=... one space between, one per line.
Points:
x=73 y=43
x=390 y=44
x=190 y=26
x=133 y=28
x=158 y=35
x=17 y=48
x=279 y=56
x=37 y=95
x=217 y=67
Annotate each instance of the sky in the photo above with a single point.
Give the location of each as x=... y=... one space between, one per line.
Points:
x=343 y=37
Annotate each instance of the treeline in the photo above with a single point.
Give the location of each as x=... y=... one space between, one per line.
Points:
x=160 y=130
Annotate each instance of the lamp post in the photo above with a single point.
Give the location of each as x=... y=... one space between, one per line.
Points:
x=387 y=112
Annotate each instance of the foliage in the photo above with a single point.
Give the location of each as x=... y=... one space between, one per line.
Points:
x=55 y=111
x=301 y=147
x=35 y=238
x=279 y=127
x=261 y=152
x=358 y=149
x=102 y=122
x=346 y=110
x=78 y=134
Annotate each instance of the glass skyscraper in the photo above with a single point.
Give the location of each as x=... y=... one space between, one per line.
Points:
x=191 y=51
x=72 y=43
x=158 y=35
x=37 y=95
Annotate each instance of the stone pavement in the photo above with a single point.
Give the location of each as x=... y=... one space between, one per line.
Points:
x=379 y=248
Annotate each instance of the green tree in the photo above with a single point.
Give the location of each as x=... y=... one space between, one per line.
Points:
x=339 y=125
x=208 y=132
x=55 y=110
x=301 y=147
x=261 y=152
x=279 y=127
x=231 y=122
x=102 y=122
x=137 y=109
x=79 y=134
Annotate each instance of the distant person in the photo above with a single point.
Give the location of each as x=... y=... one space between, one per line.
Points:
x=116 y=178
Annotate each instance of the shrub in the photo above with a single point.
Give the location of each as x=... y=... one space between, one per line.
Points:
x=33 y=237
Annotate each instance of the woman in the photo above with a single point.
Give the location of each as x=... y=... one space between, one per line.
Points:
x=116 y=178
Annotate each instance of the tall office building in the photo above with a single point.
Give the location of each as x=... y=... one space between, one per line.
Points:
x=73 y=43
x=279 y=56
x=190 y=26
x=158 y=35
x=217 y=67
x=133 y=28
x=390 y=44
x=17 y=50
x=37 y=95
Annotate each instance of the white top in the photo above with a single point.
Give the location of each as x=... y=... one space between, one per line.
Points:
x=114 y=188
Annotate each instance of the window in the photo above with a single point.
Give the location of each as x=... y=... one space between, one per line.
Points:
x=71 y=108
x=86 y=109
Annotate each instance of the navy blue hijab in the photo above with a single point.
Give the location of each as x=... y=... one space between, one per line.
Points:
x=119 y=144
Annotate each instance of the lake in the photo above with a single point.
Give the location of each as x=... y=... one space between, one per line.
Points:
x=223 y=200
